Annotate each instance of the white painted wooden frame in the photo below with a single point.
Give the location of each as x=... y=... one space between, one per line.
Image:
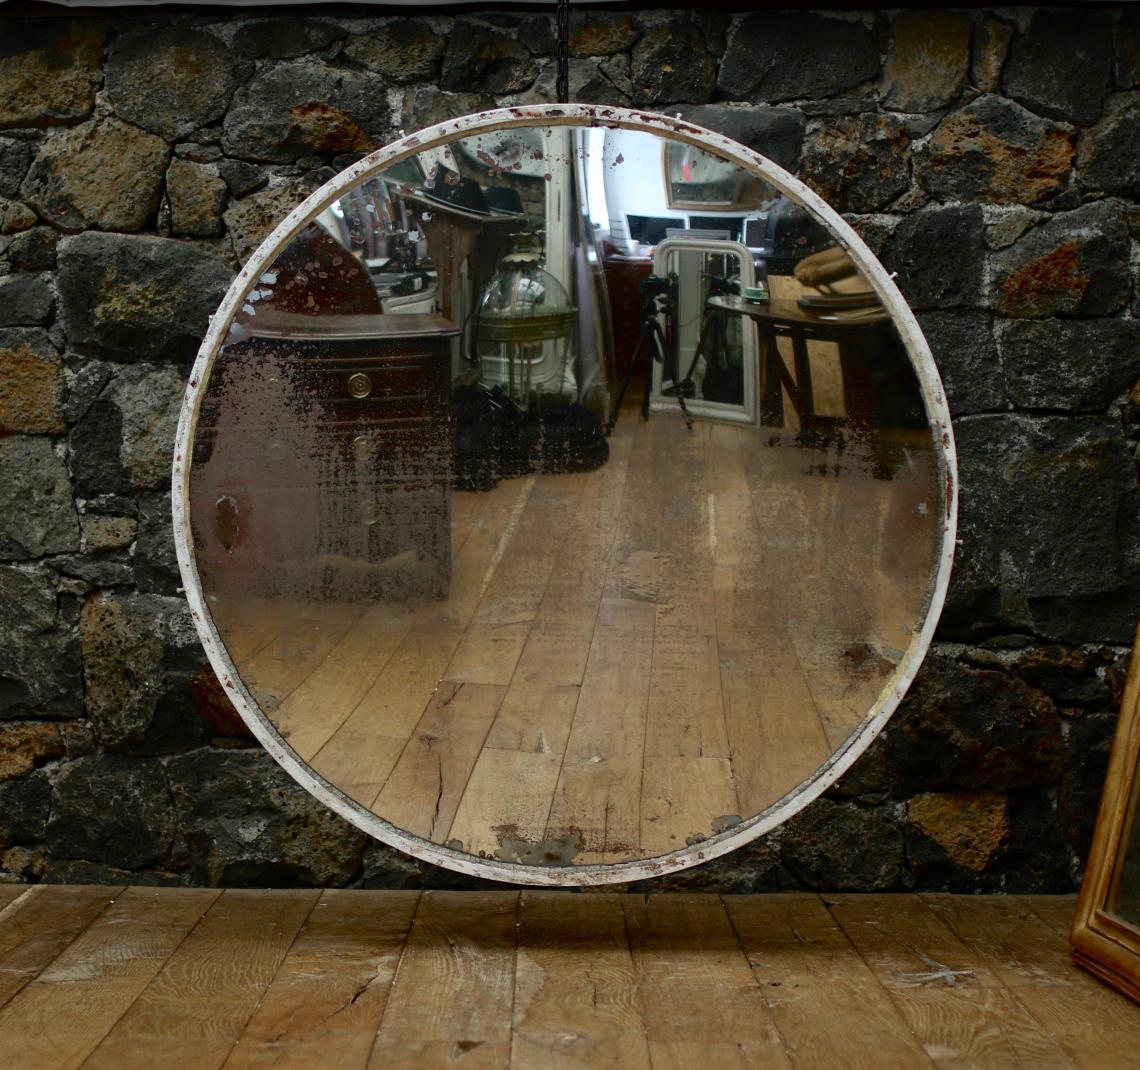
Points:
x=937 y=413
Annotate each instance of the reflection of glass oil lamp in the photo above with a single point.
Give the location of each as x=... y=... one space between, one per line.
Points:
x=524 y=325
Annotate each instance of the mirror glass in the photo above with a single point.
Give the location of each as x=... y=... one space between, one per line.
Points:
x=565 y=494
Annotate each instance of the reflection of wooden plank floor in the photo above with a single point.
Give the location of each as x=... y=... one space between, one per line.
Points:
x=627 y=658
x=194 y=977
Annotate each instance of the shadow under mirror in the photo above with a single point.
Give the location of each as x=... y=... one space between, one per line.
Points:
x=565 y=495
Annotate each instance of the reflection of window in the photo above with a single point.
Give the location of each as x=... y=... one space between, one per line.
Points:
x=698 y=179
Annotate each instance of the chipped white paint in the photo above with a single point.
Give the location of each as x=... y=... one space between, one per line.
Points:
x=933 y=396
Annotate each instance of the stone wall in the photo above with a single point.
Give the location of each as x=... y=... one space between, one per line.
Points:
x=992 y=158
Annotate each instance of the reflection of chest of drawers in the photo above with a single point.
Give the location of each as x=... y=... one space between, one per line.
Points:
x=322 y=461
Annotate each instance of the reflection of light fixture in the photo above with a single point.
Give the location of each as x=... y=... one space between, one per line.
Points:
x=524 y=325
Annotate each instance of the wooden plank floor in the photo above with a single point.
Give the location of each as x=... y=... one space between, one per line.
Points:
x=628 y=660
x=202 y=979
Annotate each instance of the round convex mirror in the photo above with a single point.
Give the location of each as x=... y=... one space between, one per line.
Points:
x=565 y=495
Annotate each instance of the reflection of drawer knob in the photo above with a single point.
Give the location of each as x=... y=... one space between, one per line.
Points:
x=371 y=511
x=359 y=385
x=360 y=445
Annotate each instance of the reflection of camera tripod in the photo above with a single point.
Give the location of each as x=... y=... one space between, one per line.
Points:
x=712 y=343
x=657 y=295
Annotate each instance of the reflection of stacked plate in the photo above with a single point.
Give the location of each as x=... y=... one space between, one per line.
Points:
x=832 y=302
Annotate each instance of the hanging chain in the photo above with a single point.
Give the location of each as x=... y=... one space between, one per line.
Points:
x=562 y=86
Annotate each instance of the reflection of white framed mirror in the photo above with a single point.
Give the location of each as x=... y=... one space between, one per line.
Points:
x=481 y=630
x=710 y=355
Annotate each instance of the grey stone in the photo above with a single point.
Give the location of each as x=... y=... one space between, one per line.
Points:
x=601 y=34
x=1082 y=783
x=244 y=822
x=24 y=808
x=617 y=69
x=1061 y=66
x=242 y=178
x=1074 y=263
x=297 y=109
x=995 y=150
x=111 y=809
x=34 y=250
x=428 y=106
x=15 y=217
x=85 y=388
x=816 y=847
x=76 y=871
x=250 y=220
x=858 y=163
x=492 y=62
x=1038 y=861
x=777 y=133
x=96 y=570
x=102 y=532
x=284 y=38
x=15 y=158
x=137 y=298
x=1048 y=508
x=1126 y=72
x=403 y=50
x=1075 y=365
x=537 y=33
x=104 y=174
x=1109 y=156
x=32 y=386
x=800 y=54
x=49 y=70
x=963 y=727
x=37 y=514
x=671 y=62
x=171 y=80
x=125 y=442
x=962 y=341
x=926 y=63
x=156 y=564
x=1005 y=224
x=197 y=195
x=41 y=670
x=991 y=44
x=25 y=300
x=938 y=253
x=588 y=85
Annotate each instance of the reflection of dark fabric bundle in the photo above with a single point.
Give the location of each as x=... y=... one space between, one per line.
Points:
x=494 y=439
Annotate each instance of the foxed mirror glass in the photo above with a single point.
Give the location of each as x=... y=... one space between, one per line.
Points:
x=565 y=495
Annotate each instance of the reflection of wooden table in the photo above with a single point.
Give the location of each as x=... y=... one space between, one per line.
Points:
x=872 y=361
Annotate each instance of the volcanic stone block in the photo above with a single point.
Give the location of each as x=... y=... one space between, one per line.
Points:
x=1048 y=506
x=108 y=532
x=671 y=62
x=112 y=809
x=1071 y=676
x=125 y=440
x=991 y=43
x=926 y=64
x=156 y=564
x=32 y=386
x=593 y=34
x=858 y=163
x=137 y=298
x=37 y=514
x=955 y=837
x=284 y=38
x=939 y=255
x=249 y=221
x=816 y=847
x=104 y=174
x=41 y=673
x=298 y=109
x=48 y=71
x=492 y=62
x=25 y=301
x=800 y=54
x=995 y=150
x=24 y=746
x=34 y=250
x=245 y=823
x=962 y=342
x=170 y=80
x=777 y=133
x=403 y=51
x=1086 y=763
x=1075 y=365
x=1075 y=263
x=1062 y=65
x=197 y=195
x=15 y=158
x=963 y=727
x=1109 y=157
x=588 y=85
